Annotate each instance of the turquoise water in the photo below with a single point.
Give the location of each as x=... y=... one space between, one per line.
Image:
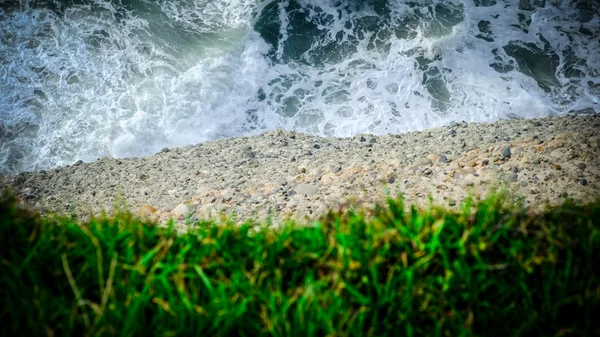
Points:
x=95 y=78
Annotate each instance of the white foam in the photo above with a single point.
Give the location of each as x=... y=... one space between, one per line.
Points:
x=99 y=81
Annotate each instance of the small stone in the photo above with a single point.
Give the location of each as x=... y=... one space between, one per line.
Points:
x=427 y=172
x=557 y=167
x=181 y=211
x=582 y=181
x=423 y=161
x=524 y=184
x=77 y=163
x=506 y=153
x=169 y=207
x=336 y=169
x=581 y=166
x=444 y=159
x=452 y=203
x=452 y=133
x=362 y=139
x=165 y=150
x=391 y=179
x=514 y=177
x=317 y=146
x=306 y=189
x=145 y=211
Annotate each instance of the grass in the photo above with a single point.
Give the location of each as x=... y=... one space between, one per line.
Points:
x=495 y=271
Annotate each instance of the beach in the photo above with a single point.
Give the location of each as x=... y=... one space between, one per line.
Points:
x=281 y=175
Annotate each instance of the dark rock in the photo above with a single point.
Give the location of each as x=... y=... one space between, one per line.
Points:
x=165 y=150
x=581 y=166
x=514 y=177
x=317 y=146
x=506 y=153
x=336 y=169
x=77 y=163
x=444 y=159
x=452 y=133
x=582 y=181
x=363 y=139
x=250 y=154
x=391 y=179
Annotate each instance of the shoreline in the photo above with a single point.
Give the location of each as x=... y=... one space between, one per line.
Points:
x=281 y=174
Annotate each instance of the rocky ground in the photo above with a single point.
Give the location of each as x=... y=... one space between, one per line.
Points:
x=284 y=174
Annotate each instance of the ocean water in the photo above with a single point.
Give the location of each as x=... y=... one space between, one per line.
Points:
x=84 y=79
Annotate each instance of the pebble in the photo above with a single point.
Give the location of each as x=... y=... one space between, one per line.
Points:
x=145 y=211
x=514 y=177
x=583 y=182
x=581 y=166
x=452 y=133
x=423 y=161
x=557 y=167
x=444 y=159
x=181 y=211
x=506 y=153
x=306 y=189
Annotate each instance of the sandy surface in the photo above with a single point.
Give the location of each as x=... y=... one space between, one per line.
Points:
x=285 y=174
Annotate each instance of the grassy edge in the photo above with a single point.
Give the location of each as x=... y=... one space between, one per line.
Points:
x=424 y=272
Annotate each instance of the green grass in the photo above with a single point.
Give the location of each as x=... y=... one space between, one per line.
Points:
x=495 y=271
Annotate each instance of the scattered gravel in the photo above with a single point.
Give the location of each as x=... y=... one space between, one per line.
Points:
x=284 y=174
